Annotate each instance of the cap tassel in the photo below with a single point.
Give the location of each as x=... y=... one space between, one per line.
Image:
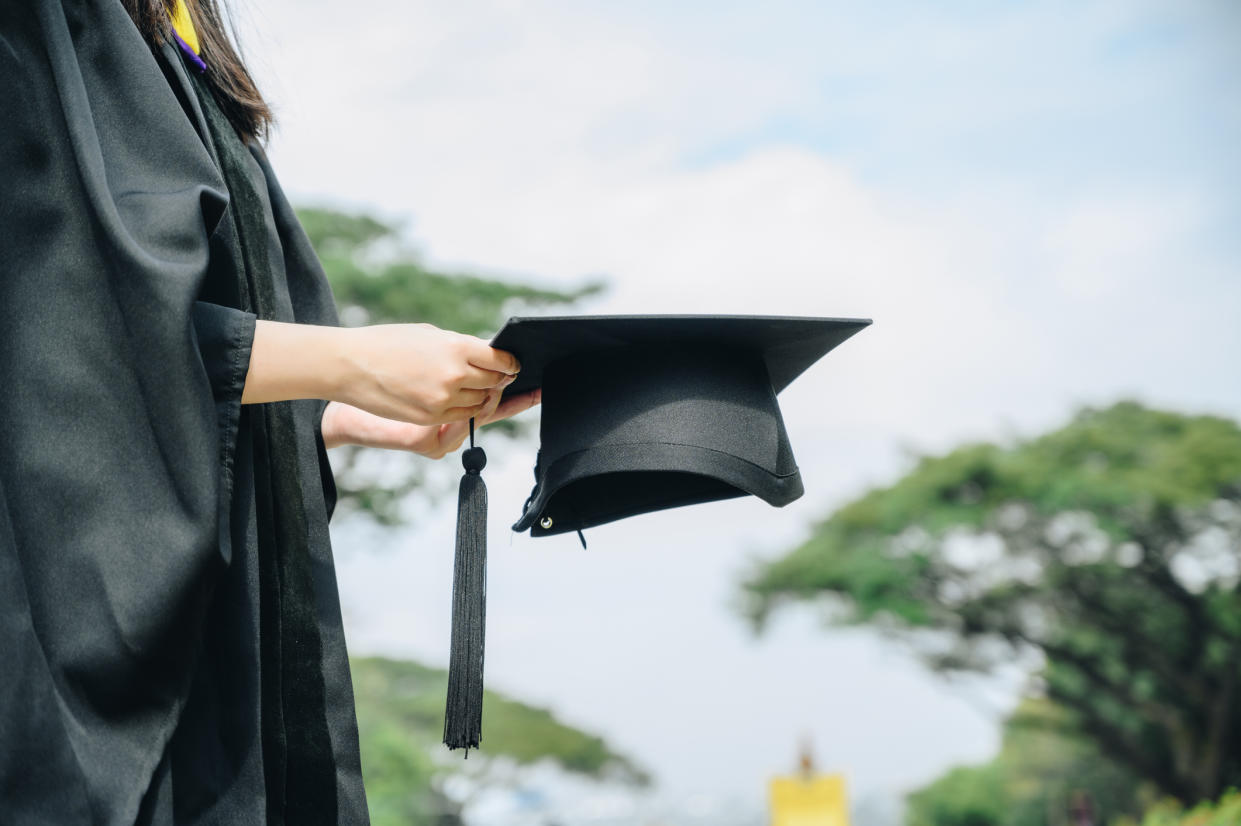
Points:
x=463 y=716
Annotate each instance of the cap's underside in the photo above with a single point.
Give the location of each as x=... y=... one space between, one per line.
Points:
x=600 y=485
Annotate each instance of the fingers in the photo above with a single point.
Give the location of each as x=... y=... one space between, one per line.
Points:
x=494 y=401
x=468 y=398
x=459 y=414
x=450 y=437
x=476 y=378
x=452 y=434
x=514 y=405
x=470 y=404
x=483 y=407
x=481 y=354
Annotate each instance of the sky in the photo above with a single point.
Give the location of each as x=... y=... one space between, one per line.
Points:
x=1037 y=203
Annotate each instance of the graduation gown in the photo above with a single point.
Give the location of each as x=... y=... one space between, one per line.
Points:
x=169 y=619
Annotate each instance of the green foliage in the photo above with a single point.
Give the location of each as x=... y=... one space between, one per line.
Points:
x=1224 y=812
x=1110 y=546
x=337 y=233
x=1041 y=773
x=377 y=281
x=401 y=722
x=370 y=273
x=966 y=796
x=399 y=777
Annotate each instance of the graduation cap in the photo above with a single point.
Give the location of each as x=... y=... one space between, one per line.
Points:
x=639 y=414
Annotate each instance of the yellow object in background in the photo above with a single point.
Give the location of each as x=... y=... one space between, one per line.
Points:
x=809 y=800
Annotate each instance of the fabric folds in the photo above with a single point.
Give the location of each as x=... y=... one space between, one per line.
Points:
x=138 y=497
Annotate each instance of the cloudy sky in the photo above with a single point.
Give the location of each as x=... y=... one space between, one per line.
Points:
x=1037 y=204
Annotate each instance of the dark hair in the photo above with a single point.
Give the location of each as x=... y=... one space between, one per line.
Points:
x=231 y=85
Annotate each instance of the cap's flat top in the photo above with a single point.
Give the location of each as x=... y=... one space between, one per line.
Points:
x=789 y=344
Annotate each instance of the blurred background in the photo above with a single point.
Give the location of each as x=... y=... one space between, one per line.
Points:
x=1010 y=593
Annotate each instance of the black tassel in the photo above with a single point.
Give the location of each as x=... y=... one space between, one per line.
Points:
x=463 y=716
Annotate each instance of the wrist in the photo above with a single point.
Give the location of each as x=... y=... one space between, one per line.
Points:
x=341 y=366
x=296 y=361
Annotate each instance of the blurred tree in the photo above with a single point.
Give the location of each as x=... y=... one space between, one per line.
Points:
x=965 y=796
x=1039 y=777
x=1224 y=812
x=1110 y=547
x=401 y=723
x=378 y=281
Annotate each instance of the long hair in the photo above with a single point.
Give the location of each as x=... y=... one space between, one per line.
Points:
x=230 y=83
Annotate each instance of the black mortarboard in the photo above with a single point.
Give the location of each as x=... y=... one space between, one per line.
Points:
x=643 y=413
x=639 y=413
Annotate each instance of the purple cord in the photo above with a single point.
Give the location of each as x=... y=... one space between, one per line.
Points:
x=190 y=53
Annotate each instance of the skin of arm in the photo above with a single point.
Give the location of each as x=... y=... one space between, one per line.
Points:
x=402 y=386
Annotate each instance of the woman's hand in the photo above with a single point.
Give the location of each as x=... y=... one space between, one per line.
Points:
x=413 y=373
x=345 y=424
x=422 y=374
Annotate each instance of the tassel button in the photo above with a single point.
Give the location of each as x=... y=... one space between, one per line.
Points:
x=474 y=460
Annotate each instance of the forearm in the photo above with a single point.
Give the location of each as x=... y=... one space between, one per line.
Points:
x=404 y=387
x=413 y=373
x=295 y=361
x=344 y=424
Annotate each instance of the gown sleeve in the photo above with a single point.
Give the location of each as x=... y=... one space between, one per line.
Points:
x=224 y=337
x=121 y=390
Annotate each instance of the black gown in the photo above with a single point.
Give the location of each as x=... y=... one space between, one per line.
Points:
x=169 y=618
